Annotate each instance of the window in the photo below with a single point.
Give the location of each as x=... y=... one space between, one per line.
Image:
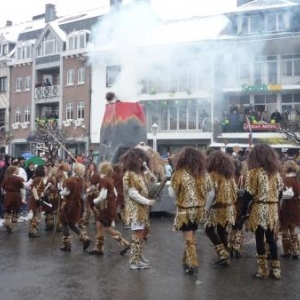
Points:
x=2 y=117
x=69 y=110
x=80 y=110
x=112 y=73
x=48 y=46
x=164 y=118
x=27 y=83
x=27 y=114
x=18 y=115
x=19 y=84
x=183 y=117
x=81 y=75
x=77 y=40
x=5 y=49
x=70 y=43
x=81 y=40
x=256 y=24
x=70 y=77
x=291 y=65
x=270 y=22
x=173 y=118
x=3 y=83
x=275 y=22
x=23 y=52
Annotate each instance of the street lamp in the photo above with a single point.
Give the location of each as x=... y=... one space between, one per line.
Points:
x=154 y=130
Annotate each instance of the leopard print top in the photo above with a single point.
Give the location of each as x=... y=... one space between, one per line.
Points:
x=134 y=211
x=222 y=210
x=265 y=191
x=191 y=195
x=190 y=191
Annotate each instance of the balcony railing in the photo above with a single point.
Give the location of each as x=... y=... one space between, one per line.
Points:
x=46 y=92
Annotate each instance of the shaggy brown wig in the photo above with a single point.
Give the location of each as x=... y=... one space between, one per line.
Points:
x=133 y=158
x=264 y=156
x=221 y=163
x=192 y=159
x=290 y=166
x=39 y=171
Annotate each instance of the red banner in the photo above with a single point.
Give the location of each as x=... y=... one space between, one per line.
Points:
x=267 y=126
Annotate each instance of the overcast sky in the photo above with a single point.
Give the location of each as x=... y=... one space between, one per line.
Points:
x=20 y=11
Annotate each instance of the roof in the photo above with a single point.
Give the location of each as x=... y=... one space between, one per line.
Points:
x=11 y=33
x=258 y=5
x=192 y=30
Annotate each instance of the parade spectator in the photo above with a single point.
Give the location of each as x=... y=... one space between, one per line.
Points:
x=290 y=210
x=2 y=174
x=168 y=169
x=276 y=116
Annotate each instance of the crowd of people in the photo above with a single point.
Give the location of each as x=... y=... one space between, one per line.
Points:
x=224 y=192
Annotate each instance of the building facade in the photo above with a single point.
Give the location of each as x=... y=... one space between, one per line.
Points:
x=216 y=71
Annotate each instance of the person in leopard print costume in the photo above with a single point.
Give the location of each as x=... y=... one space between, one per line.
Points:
x=190 y=184
x=263 y=186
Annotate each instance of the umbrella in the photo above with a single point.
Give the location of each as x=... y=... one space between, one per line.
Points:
x=36 y=160
x=27 y=155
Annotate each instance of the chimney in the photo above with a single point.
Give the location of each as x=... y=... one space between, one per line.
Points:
x=50 y=14
x=8 y=23
x=115 y=4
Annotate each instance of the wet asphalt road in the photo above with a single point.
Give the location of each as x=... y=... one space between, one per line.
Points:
x=34 y=269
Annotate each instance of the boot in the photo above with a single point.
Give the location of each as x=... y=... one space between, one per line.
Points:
x=81 y=224
x=286 y=246
x=49 y=222
x=223 y=254
x=7 y=220
x=33 y=232
x=191 y=260
x=84 y=239
x=86 y=217
x=14 y=221
x=98 y=249
x=275 y=269
x=262 y=267
x=124 y=244
x=237 y=244
x=136 y=253
x=118 y=237
x=66 y=246
x=295 y=246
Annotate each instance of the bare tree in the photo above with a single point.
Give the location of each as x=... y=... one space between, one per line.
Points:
x=48 y=137
x=292 y=131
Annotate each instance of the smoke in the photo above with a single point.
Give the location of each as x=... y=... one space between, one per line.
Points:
x=147 y=49
x=119 y=39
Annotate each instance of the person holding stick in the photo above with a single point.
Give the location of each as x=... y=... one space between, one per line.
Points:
x=136 y=204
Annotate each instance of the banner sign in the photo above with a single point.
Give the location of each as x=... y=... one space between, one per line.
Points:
x=267 y=126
